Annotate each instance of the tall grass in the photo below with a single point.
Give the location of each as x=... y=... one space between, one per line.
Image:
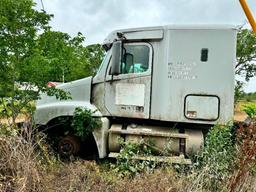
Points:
x=20 y=169
x=27 y=164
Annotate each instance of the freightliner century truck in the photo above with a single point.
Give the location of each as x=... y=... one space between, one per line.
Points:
x=168 y=83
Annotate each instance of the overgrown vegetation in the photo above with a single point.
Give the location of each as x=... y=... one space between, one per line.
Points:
x=240 y=95
x=215 y=162
x=249 y=97
x=23 y=162
x=128 y=165
x=250 y=110
x=83 y=123
x=32 y=54
x=27 y=164
x=226 y=163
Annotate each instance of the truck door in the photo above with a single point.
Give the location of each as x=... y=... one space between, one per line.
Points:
x=128 y=94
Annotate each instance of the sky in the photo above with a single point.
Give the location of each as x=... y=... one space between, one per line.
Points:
x=97 y=18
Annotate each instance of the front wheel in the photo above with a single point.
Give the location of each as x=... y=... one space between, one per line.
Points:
x=69 y=145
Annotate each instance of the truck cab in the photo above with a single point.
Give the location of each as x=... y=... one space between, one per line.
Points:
x=162 y=82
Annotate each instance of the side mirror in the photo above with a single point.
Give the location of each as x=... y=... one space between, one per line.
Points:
x=116 y=58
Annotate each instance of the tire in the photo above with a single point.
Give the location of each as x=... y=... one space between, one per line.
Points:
x=69 y=145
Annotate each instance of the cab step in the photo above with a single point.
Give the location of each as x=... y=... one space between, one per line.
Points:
x=161 y=159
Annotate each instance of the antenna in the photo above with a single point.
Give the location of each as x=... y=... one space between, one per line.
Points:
x=42 y=4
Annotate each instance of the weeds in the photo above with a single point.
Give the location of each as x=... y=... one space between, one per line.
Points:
x=128 y=165
x=225 y=164
x=250 y=110
x=245 y=161
x=89 y=176
x=19 y=170
x=24 y=160
x=215 y=162
x=27 y=164
x=83 y=123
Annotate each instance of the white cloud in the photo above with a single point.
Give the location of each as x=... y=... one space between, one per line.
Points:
x=95 y=19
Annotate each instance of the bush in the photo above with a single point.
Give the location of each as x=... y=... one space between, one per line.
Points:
x=83 y=123
x=128 y=165
x=19 y=170
x=250 y=110
x=215 y=162
x=245 y=159
x=25 y=159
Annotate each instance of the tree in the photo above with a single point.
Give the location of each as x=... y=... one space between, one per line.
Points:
x=246 y=58
x=20 y=25
x=246 y=54
x=95 y=55
x=66 y=57
x=56 y=54
x=32 y=54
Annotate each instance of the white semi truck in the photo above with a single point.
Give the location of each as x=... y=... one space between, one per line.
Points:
x=168 y=83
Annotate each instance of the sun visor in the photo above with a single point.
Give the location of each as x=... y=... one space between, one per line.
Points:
x=133 y=35
x=138 y=35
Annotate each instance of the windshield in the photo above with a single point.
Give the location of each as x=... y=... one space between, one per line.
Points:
x=103 y=61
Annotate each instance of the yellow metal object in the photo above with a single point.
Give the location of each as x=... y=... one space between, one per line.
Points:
x=248 y=14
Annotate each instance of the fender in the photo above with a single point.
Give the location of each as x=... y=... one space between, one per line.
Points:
x=49 y=108
x=45 y=113
x=101 y=137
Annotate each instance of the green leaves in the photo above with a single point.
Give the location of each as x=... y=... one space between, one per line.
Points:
x=216 y=160
x=32 y=53
x=250 y=110
x=19 y=25
x=84 y=123
x=61 y=57
x=246 y=54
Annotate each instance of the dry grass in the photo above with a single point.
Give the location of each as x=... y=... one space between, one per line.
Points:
x=88 y=176
x=240 y=105
x=27 y=165
x=19 y=168
x=25 y=168
x=240 y=115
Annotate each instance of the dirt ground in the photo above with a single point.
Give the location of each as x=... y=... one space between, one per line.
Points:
x=240 y=116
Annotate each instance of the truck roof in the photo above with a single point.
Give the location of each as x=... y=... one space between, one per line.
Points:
x=179 y=26
x=156 y=32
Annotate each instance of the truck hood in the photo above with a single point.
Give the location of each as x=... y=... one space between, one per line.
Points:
x=80 y=90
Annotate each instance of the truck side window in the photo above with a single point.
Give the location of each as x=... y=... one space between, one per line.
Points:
x=135 y=59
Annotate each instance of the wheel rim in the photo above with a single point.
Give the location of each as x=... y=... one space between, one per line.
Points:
x=69 y=145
